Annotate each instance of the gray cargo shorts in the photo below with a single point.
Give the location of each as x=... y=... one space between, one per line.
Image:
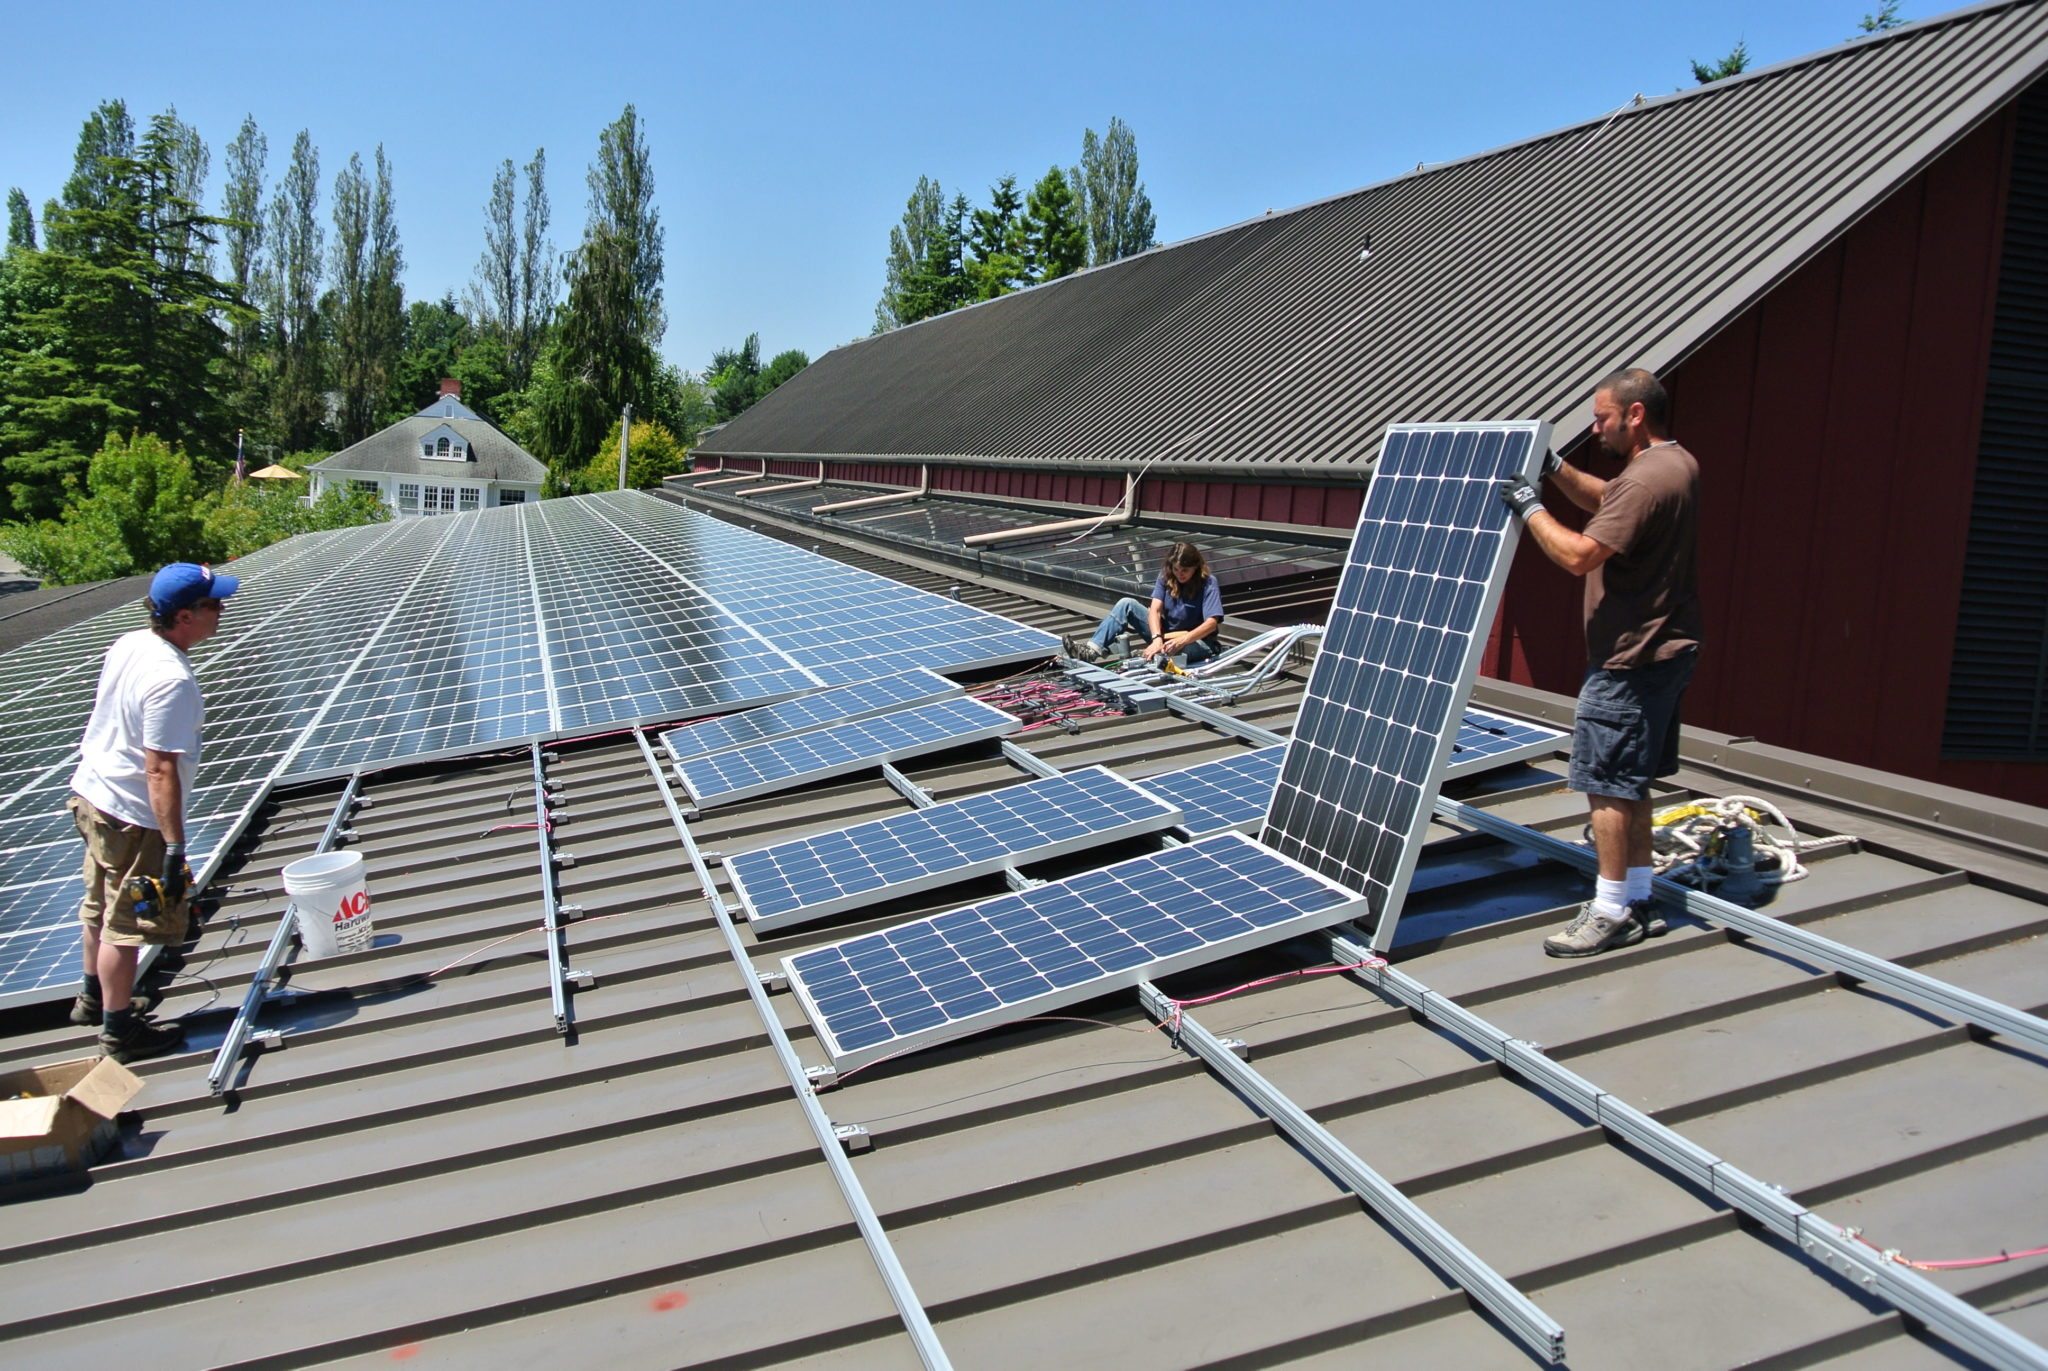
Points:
x=1626 y=733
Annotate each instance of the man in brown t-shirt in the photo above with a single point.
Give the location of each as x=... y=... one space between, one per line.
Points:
x=1642 y=639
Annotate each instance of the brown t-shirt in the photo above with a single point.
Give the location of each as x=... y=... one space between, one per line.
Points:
x=1643 y=604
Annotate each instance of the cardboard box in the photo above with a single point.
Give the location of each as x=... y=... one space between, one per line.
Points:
x=61 y=1117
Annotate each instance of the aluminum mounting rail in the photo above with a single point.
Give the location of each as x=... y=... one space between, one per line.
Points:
x=1952 y=1000
x=551 y=908
x=273 y=956
x=908 y=1307
x=1535 y=1329
x=1905 y=1289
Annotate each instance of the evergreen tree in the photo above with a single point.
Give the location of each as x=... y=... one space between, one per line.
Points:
x=1883 y=21
x=734 y=378
x=1112 y=199
x=603 y=355
x=1055 y=239
x=291 y=298
x=995 y=263
x=121 y=326
x=1734 y=64
x=21 y=221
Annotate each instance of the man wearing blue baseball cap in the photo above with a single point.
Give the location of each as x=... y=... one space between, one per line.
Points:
x=135 y=767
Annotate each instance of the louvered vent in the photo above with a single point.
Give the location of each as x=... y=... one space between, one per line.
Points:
x=1998 y=686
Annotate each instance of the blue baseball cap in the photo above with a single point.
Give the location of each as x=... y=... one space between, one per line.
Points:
x=184 y=584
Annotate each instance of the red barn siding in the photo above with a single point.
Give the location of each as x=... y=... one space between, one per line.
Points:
x=1836 y=423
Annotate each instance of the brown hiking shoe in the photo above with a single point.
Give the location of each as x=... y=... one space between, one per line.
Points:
x=136 y=1039
x=87 y=1011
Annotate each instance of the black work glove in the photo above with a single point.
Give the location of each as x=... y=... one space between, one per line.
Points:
x=1521 y=497
x=177 y=875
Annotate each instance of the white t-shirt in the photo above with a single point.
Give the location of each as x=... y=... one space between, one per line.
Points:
x=148 y=698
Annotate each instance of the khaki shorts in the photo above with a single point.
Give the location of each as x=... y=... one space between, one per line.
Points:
x=114 y=851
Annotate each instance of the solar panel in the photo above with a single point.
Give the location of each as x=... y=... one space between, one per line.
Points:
x=814 y=878
x=861 y=701
x=779 y=763
x=1488 y=741
x=426 y=638
x=931 y=980
x=1419 y=589
x=1231 y=792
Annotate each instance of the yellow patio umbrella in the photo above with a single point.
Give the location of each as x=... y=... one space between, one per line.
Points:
x=275 y=473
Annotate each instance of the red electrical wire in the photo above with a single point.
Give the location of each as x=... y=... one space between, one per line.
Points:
x=1370 y=963
x=1955 y=1264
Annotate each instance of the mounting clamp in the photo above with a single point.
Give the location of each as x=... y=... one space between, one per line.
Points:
x=853 y=1137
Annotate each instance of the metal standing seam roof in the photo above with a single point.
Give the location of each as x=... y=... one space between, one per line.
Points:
x=428 y=1172
x=1270 y=347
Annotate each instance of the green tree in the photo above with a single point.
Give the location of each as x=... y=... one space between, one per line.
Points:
x=538 y=285
x=681 y=403
x=241 y=210
x=246 y=517
x=603 y=355
x=291 y=298
x=653 y=453
x=21 y=222
x=140 y=509
x=364 y=312
x=485 y=373
x=995 y=246
x=1883 y=21
x=1734 y=64
x=734 y=377
x=1055 y=239
x=434 y=335
x=781 y=367
x=124 y=330
x=910 y=245
x=1112 y=199
x=493 y=297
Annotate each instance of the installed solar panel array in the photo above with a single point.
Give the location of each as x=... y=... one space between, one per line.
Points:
x=434 y=637
x=1387 y=691
x=862 y=701
x=814 y=878
x=1397 y=658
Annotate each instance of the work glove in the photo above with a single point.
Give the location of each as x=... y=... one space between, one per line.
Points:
x=177 y=875
x=1551 y=462
x=1521 y=497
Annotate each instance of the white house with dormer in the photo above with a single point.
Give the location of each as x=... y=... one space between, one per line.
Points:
x=444 y=460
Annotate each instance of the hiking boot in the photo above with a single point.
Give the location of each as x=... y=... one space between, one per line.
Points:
x=1644 y=912
x=1591 y=933
x=1083 y=649
x=137 y=1039
x=87 y=1011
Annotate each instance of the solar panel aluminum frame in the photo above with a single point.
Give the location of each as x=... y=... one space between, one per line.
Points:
x=1352 y=906
x=1162 y=816
x=988 y=732
x=678 y=753
x=1387 y=919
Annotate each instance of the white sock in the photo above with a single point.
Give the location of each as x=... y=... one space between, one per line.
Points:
x=1610 y=898
x=1639 y=882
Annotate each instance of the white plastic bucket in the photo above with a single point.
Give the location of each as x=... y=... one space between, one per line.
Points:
x=333 y=903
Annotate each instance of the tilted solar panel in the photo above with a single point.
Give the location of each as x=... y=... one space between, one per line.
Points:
x=931 y=980
x=802 y=758
x=1390 y=681
x=861 y=701
x=814 y=878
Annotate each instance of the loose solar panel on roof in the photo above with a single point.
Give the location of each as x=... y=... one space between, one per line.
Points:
x=814 y=878
x=861 y=701
x=764 y=768
x=1390 y=680
x=1486 y=741
x=931 y=980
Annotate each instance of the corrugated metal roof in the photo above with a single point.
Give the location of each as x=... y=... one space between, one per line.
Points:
x=1496 y=285
x=427 y=1172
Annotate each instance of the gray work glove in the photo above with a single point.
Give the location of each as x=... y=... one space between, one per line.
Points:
x=177 y=875
x=1551 y=462
x=1521 y=497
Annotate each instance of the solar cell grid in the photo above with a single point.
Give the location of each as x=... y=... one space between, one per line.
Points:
x=935 y=979
x=1419 y=587
x=858 y=701
x=763 y=768
x=1231 y=792
x=814 y=878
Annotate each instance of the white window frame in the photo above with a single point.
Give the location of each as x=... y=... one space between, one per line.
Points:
x=468 y=498
x=408 y=497
x=511 y=497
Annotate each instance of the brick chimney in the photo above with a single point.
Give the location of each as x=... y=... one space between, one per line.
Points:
x=451 y=386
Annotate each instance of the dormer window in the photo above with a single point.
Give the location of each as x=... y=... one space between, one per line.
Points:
x=443 y=444
x=441 y=448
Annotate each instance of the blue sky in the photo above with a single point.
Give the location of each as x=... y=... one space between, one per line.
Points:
x=785 y=138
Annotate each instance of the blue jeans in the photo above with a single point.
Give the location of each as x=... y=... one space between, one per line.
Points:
x=1134 y=616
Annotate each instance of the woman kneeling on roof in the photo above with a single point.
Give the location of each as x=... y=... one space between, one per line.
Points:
x=1182 y=620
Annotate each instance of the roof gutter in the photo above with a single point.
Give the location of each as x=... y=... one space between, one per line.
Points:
x=1116 y=518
